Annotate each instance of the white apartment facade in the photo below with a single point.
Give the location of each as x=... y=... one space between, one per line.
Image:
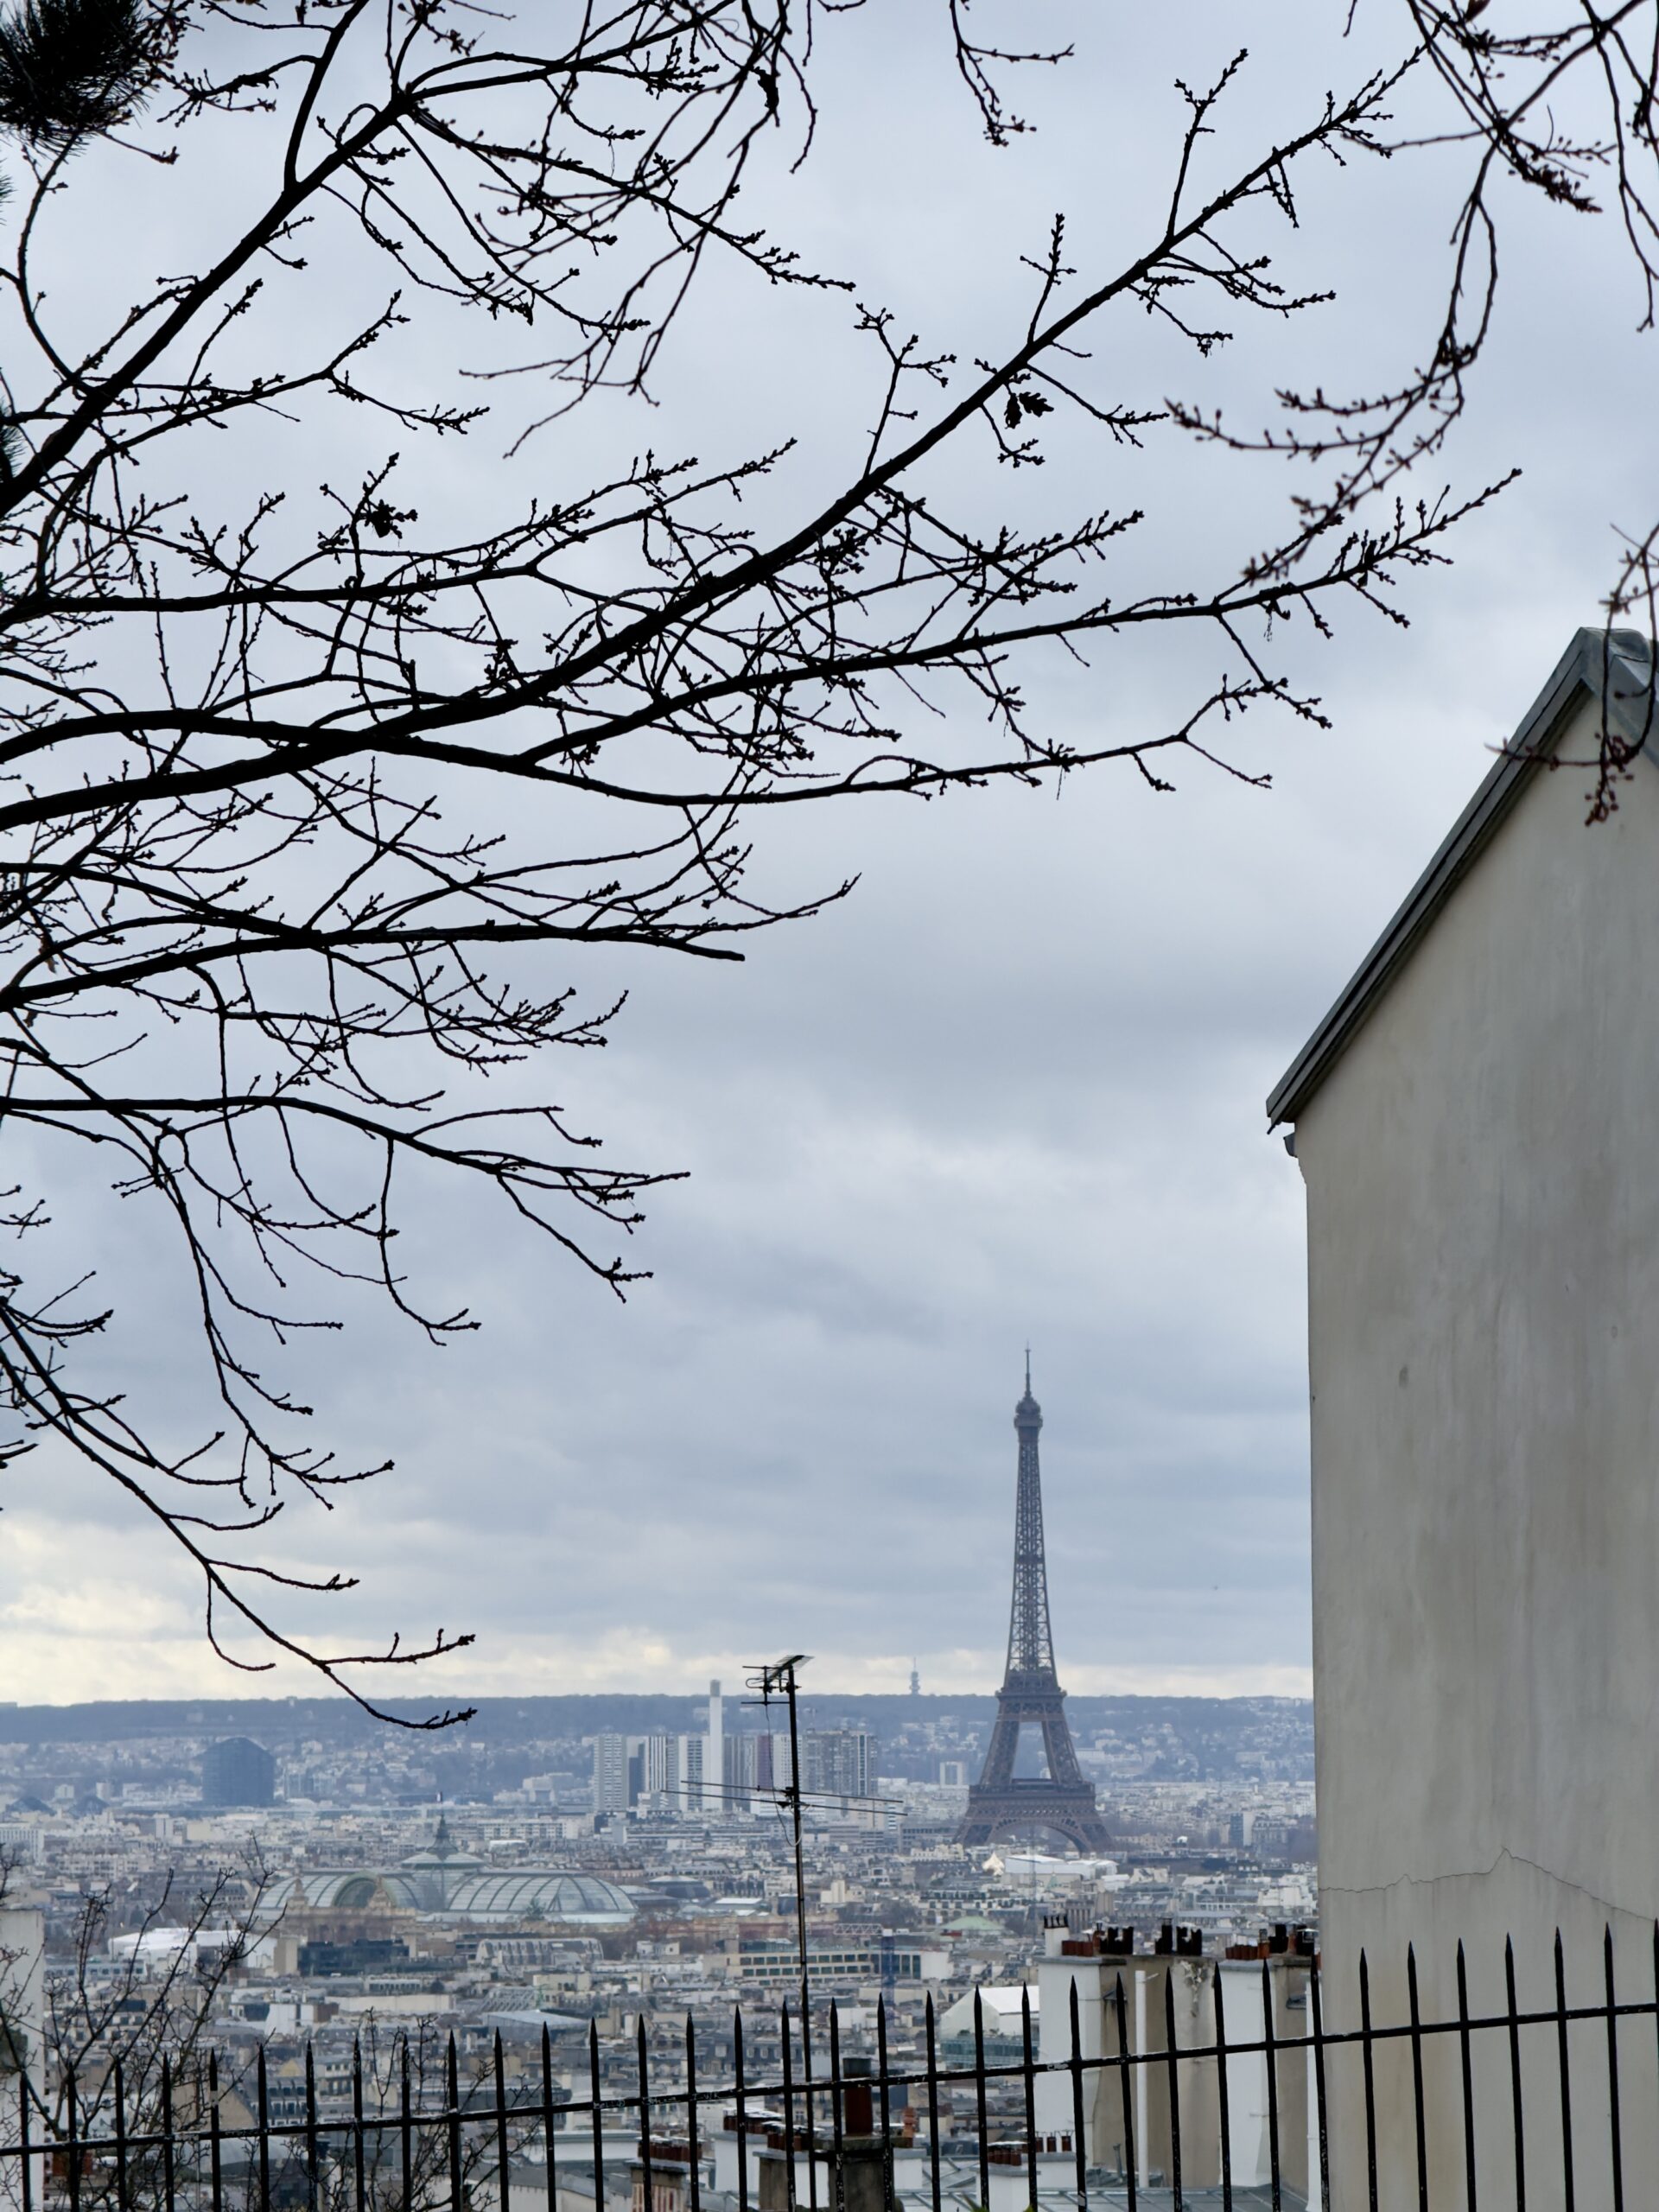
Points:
x=1475 y=1122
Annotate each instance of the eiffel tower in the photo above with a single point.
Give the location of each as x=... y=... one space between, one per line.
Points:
x=1030 y=1691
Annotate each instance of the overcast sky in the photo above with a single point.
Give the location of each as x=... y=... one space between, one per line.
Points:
x=1010 y=1091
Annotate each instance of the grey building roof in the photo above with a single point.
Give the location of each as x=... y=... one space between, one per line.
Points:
x=1612 y=669
x=454 y=1884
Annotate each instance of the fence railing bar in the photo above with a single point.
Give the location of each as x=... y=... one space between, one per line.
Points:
x=1466 y=2070
x=932 y=2103
x=693 y=2144
x=263 y=2115
x=1275 y=2175
x=836 y=2191
x=982 y=2081
x=643 y=2051
x=596 y=2105
x=312 y=2153
x=457 y=2199
x=503 y=2159
x=1222 y=2116
x=360 y=2187
x=978 y=2098
x=549 y=2133
x=1031 y=2097
x=122 y=2189
x=1079 y=2147
x=26 y=2186
x=1127 y=2080
x=980 y=2085
x=1516 y=2107
x=1418 y=2115
x=742 y=2114
x=215 y=2162
x=1567 y=2196
x=73 y=2176
x=406 y=2130
x=1615 y=2142
x=1174 y=2093
x=1333 y=2039
x=789 y=2113
x=169 y=2194
x=811 y=2117
x=1367 y=2051
x=1323 y=2123
x=882 y=2091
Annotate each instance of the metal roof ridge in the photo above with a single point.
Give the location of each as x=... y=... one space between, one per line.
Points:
x=1578 y=674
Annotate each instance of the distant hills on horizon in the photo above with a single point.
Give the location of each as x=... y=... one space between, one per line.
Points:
x=593 y=1712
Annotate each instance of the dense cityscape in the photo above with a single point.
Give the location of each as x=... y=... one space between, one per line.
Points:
x=320 y=1881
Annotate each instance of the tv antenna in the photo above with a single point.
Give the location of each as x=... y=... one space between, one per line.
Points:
x=769 y=1682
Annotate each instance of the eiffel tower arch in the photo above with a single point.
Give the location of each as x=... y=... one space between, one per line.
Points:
x=1030 y=1693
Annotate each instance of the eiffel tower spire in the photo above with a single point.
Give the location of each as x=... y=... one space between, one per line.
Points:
x=1031 y=1640
x=1030 y=1691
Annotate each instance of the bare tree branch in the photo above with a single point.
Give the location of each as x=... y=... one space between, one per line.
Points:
x=297 y=790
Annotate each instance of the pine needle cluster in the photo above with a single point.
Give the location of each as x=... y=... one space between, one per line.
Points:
x=70 y=69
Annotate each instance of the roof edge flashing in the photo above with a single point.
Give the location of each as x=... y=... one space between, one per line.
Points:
x=1614 y=667
x=1629 y=701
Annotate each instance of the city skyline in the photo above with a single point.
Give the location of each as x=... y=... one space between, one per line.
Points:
x=714 y=832
x=1011 y=1086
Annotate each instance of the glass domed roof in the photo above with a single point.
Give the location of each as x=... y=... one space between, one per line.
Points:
x=451 y=1886
x=541 y=1893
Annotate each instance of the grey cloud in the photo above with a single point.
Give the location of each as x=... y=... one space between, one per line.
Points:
x=1013 y=1086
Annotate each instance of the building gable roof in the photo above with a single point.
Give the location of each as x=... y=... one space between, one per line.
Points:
x=1608 y=668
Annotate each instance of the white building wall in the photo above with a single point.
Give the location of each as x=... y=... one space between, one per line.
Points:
x=1482 y=1194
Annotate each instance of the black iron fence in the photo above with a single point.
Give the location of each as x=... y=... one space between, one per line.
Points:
x=1164 y=2080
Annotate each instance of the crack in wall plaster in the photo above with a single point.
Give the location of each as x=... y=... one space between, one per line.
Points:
x=1484 y=1874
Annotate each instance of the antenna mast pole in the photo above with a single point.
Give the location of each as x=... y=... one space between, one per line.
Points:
x=778 y=1680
